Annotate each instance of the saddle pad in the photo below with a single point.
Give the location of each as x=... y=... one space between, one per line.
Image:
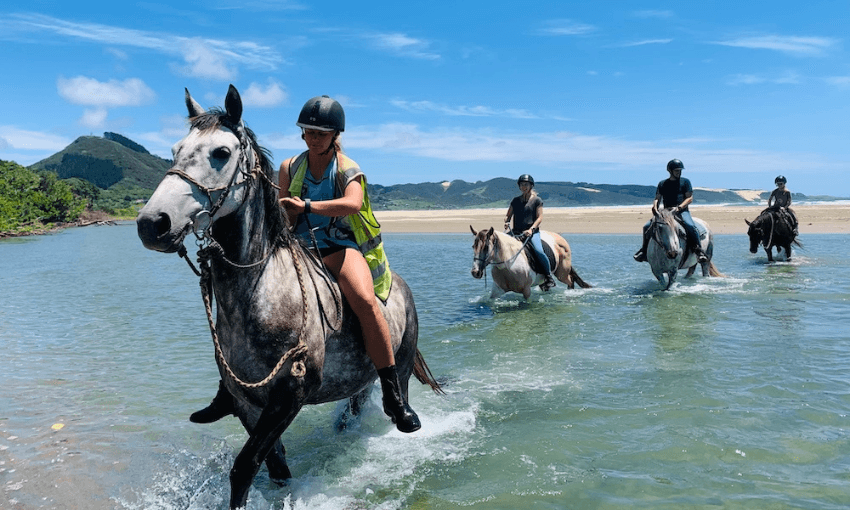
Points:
x=532 y=258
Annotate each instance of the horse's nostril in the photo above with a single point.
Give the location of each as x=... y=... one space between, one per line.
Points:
x=152 y=228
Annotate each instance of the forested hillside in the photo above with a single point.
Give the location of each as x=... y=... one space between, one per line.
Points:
x=34 y=201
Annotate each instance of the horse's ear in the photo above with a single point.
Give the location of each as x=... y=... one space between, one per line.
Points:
x=490 y=232
x=747 y=221
x=233 y=105
x=194 y=108
x=473 y=231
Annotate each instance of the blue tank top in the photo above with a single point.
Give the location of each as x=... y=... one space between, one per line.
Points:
x=325 y=228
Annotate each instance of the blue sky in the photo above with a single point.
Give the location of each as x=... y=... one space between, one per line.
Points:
x=599 y=92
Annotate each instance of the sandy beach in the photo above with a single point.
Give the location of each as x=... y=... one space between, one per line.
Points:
x=814 y=219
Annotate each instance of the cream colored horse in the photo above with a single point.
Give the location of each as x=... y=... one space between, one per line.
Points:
x=510 y=266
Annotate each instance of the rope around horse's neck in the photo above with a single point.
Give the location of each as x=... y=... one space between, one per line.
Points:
x=511 y=260
x=296 y=353
x=772 y=227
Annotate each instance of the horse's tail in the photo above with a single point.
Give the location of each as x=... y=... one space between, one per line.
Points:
x=577 y=279
x=713 y=271
x=424 y=375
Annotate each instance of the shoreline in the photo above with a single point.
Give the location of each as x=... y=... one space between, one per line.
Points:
x=722 y=219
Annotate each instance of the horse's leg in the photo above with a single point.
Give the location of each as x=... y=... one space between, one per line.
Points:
x=276 y=463
x=351 y=414
x=671 y=278
x=275 y=460
x=769 y=251
x=273 y=421
x=692 y=269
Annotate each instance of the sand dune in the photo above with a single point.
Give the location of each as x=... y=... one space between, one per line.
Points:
x=814 y=219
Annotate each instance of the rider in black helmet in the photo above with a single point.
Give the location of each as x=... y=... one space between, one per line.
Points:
x=780 y=200
x=676 y=193
x=527 y=213
x=323 y=191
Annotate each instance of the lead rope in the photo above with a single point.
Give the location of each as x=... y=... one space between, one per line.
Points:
x=772 y=227
x=296 y=353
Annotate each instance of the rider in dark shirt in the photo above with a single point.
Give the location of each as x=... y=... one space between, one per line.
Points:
x=527 y=213
x=675 y=193
x=780 y=200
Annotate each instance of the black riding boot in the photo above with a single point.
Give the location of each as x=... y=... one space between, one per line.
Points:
x=395 y=406
x=548 y=282
x=221 y=406
x=640 y=256
x=701 y=257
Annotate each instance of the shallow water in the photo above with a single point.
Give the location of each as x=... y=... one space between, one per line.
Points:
x=730 y=392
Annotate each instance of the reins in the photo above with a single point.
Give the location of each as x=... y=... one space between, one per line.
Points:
x=209 y=249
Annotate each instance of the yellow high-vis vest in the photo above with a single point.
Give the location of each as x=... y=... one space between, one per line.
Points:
x=366 y=229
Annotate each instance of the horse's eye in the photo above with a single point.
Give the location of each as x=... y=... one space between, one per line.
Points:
x=221 y=153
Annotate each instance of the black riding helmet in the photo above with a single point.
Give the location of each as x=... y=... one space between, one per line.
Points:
x=781 y=179
x=525 y=178
x=675 y=164
x=323 y=114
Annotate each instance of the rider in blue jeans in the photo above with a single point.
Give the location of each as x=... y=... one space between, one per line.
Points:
x=527 y=212
x=676 y=193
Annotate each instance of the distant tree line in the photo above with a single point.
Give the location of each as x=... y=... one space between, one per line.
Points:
x=31 y=201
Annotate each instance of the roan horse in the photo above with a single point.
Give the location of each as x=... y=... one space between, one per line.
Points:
x=772 y=229
x=665 y=252
x=283 y=336
x=510 y=266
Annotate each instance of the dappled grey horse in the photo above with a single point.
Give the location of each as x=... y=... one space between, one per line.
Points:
x=666 y=252
x=283 y=336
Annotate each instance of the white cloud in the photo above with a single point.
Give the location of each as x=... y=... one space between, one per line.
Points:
x=558 y=149
x=204 y=61
x=565 y=27
x=22 y=139
x=403 y=45
x=202 y=57
x=789 y=78
x=647 y=41
x=841 y=81
x=91 y=92
x=269 y=96
x=464 y=111
x=794 y=45
x=94 y=118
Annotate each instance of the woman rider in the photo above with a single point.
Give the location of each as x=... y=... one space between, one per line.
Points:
x=527 y=212
x=324 y=194
x=780 y=200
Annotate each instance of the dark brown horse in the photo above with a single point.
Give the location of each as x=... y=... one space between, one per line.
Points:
x=772 y=229
x=283 y=337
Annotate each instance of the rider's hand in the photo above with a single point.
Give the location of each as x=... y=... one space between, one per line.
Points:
x=293 y=204
x=675 y=209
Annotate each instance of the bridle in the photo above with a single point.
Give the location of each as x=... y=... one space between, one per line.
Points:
x=209 y=248
x=655 y=229
x=201 y=226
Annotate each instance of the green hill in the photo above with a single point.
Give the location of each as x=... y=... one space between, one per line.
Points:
x=107 y=162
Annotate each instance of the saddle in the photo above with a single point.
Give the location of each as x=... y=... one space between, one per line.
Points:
x=701 y=231
x=532 y=258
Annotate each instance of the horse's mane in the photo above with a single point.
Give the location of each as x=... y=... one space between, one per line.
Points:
x=667 y=217
x=277 y=221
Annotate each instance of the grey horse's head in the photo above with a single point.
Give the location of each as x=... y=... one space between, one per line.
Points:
x=209 y=178
x=664 y=231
